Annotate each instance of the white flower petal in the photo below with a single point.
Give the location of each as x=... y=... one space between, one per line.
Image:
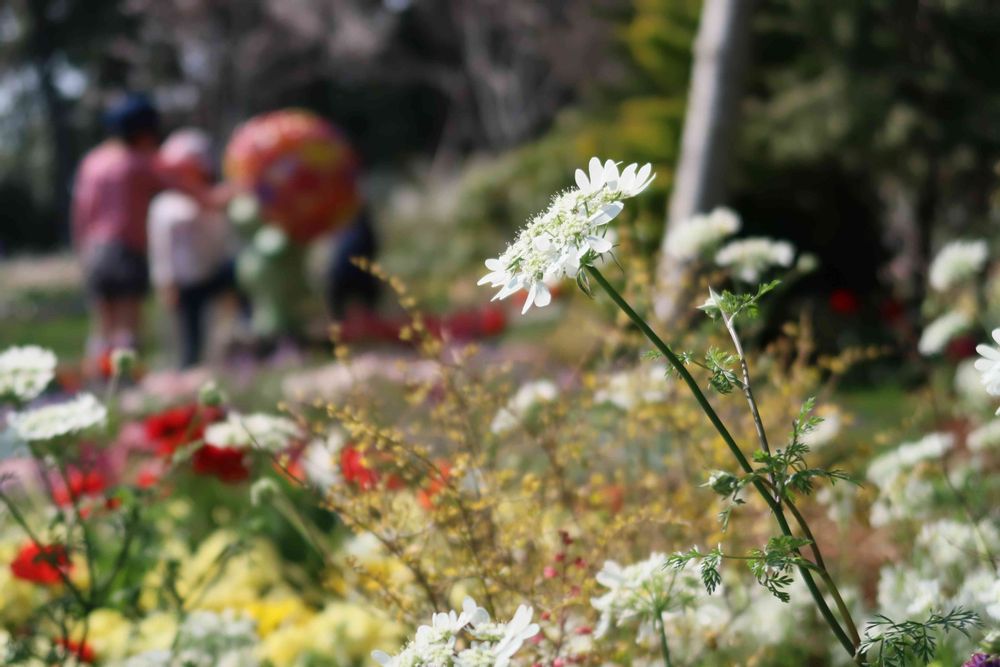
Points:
x=599 y=243
x=611 y=174
x=581 y=180
x=627 y=177
x=596 y=174
x=543 y=296
x=607 y=213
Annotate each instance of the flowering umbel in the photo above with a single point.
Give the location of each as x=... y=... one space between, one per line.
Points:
x=570 y=234
x=485 y=643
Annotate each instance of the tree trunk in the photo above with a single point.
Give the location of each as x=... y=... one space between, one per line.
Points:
x=720 y=56
x=55 y=111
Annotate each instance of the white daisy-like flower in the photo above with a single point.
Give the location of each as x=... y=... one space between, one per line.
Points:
x=939 y=332
x=570 y=234
x=526 y=398
x=25 y=372
x=957 y=262
x=77 y=416
x=694 y=237
x=750 y=258
x=989 y=365
x=258 y=430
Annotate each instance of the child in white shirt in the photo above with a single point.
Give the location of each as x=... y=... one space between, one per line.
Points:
x=190 y=247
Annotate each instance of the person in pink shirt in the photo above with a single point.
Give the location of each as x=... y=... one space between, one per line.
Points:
x=114 y=185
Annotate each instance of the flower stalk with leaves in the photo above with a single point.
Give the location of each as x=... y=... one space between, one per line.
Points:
x=557 y=248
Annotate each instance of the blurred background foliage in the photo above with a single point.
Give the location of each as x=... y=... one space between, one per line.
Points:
x=866 y=128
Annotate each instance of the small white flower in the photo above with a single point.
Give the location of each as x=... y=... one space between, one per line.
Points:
x=74 y=417
x=485 y=644
x=25 y=372
x=321 y=461
x=939 y=333
x=957 y=262
x=989 y=365
x=750 y=258
x=570 y=234
x=694 y=237
x=519 y=629
x=637 y=592
x=261 y=431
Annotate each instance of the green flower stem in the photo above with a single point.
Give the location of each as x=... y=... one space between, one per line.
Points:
x=824 y=573
x=664 y=648
x=741 y=459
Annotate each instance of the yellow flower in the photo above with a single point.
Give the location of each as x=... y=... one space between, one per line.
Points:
x=273 y=613
x=155 y=631
x=108 y=633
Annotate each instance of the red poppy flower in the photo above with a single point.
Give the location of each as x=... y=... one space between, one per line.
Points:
x=41 y=564
x=178 y=426
x=89 y=483
x=228 y=464
x=81 y=650
x=355 y=471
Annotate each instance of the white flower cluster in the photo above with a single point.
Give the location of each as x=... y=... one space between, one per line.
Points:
x=25 y=372
x=206 y=639
x=989 y=365
x=940 y=331
x=258 y=430
x=70 y=418
x=903 y=491
x=640 y=591
x=750 y=258
x=487 y=643
x=321 y=461
x=950 y=566
x=521 y=404
x=957 y=262
x=633 y=387
x=693 y=238
x=570 y=234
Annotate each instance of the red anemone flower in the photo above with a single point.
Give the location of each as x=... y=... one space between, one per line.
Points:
x=80 y=484
x=41 y=564
x=178 y=426
x=228 y=464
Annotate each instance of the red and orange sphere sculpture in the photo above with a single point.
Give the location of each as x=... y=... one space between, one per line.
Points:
x=302 y=170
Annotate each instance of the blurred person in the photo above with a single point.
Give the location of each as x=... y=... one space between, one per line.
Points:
x=191 y=245
x=114 y=185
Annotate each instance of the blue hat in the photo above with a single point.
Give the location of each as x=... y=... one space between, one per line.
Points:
x=133 y=116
